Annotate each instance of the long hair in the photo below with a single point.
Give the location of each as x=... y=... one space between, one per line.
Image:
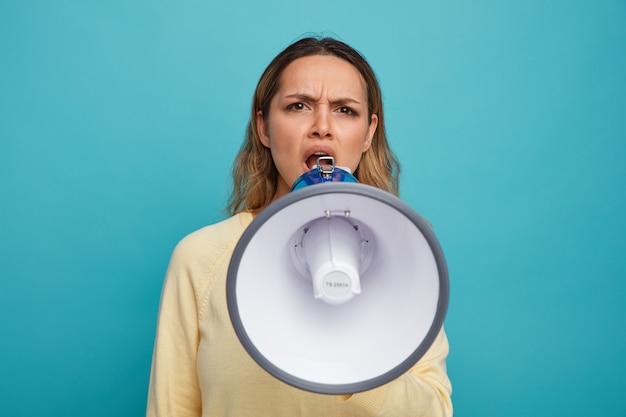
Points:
x=254 y=174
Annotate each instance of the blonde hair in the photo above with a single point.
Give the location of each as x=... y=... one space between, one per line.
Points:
x=254 y=174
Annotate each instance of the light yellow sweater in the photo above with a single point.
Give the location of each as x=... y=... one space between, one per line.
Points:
x=199 y=367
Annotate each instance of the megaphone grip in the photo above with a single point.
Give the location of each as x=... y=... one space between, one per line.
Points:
x=332 y=249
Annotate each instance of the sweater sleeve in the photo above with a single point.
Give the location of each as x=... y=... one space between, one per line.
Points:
x=424 y=390
x=174 y=388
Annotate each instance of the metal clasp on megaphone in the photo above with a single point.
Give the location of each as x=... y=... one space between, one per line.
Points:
x=325 y=171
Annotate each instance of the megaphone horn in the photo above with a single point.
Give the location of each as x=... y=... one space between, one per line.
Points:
x=339 y=287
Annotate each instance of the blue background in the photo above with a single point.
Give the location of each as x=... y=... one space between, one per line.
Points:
x=119 y=121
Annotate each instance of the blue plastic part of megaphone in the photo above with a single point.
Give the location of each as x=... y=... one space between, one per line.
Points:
x=315 y=176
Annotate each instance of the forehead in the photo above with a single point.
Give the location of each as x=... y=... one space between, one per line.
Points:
x=317 y=74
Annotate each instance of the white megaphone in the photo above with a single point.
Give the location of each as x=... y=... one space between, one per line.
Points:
x=337 y=288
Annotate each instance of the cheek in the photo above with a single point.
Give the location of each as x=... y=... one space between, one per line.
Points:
x=359 y=146
x=362 y=143
x=279 y=133
x=285 y=151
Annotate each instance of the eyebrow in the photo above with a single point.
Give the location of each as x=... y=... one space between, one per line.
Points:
x=309 y=98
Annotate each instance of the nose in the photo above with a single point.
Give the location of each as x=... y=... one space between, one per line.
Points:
x=322 y=124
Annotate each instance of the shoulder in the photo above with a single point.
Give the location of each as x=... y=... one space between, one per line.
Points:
x=208 y=244
x=219 y=233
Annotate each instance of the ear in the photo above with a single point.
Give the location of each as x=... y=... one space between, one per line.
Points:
x=371 y=129
x=261 y=128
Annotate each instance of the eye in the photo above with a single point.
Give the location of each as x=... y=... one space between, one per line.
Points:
x=299 y=106
x=347 y=111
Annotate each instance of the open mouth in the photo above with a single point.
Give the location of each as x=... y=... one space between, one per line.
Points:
x=311 y=161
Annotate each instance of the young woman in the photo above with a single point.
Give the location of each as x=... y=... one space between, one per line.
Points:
x=317 y=97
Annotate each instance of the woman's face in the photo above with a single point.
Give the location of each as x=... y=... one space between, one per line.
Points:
x=319 y=109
